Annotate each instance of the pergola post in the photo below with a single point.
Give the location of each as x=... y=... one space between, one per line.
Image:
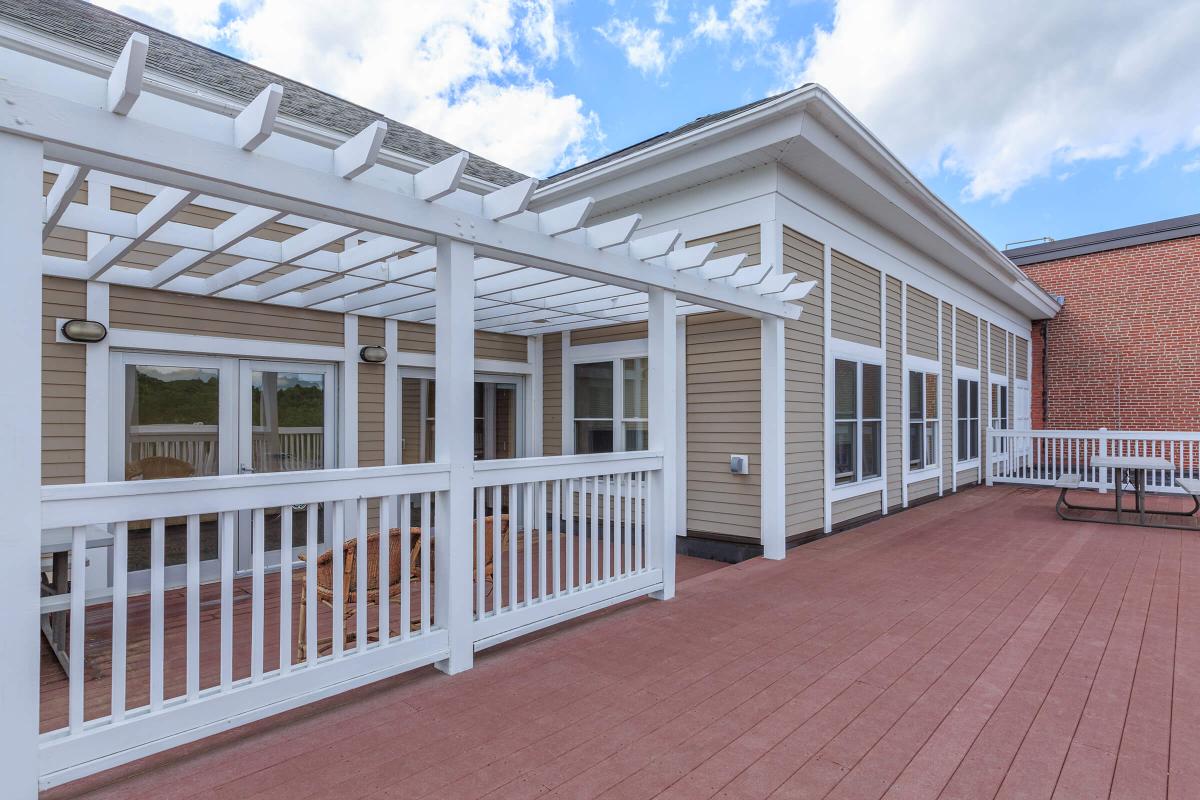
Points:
x=662 y=436
x=772 y=477
x=454 y=427
x=20 y=470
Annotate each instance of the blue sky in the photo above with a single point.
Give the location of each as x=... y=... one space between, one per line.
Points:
x=1030 y=119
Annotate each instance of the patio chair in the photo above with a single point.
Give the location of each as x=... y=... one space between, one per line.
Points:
x=396 y=584
x=154 y=467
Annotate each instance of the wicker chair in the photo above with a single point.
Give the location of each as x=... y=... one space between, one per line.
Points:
x=396 y=584
x=154 y=467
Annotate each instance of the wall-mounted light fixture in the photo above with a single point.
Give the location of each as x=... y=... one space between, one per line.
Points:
x=373 y=354
x=83 y=330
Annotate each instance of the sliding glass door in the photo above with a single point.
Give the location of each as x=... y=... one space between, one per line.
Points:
x=499 y=416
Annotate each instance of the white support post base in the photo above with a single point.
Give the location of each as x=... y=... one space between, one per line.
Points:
x=773 y=478
x=454 y=364
x=662 y=435
x=20 y=470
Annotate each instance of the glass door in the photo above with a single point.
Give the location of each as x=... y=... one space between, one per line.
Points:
x=499 y=416
x=172 y=416
x=287 y=416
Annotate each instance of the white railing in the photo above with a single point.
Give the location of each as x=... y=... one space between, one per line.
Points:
x=172 y=683
x=557 y=537
x=1041 y=457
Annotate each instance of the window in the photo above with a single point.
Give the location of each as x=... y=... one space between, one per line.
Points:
x=922 y=419
x=1000 y=411
x=858 y=408
x=598 y=398
x=967 y=419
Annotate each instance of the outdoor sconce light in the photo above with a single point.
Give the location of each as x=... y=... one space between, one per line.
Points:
x=83 y=330
x=373 y=354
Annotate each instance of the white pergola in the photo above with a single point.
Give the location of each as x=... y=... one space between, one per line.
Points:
x=362 y=237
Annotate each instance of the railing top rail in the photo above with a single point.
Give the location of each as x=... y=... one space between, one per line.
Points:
x=119 y=501
x=1096 y=434
x=521 y=470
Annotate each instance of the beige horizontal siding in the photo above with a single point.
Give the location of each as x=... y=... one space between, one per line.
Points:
x=922 y=324
x=855 y=301
x=723 y=410
x=415 y=337
x=804 y=376
x=967 y=477
x=922 y=489
x=552 y=394
x=853 y=508
x=999 y=352
x=169 y=312
x=1022 y=359
x=370 y=396
x=420 y=337
x=967 y=343
x=63 y=380
x=894 y=359
x=609 y=333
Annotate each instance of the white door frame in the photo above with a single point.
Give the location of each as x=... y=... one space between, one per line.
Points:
x=426 y=374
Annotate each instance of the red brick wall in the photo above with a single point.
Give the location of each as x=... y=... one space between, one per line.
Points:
x=1124 y=353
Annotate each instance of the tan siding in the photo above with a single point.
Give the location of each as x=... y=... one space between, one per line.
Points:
x=922 y=489
x=855 y=301
x=947 y=397
x=895 y=381
x=63 y=379
x=1022 y=359
x=804 y=377
x=552 y=394
x=723 y=410
x=414 y=337
x=169 y=312
x=501 y=346
x=967 y=477
x=852 y=508
x=370 y=396
x=999 y=352
x=922 y=324
x=968 y=340
x=610 y=333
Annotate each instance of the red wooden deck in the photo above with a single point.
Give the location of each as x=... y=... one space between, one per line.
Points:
x=975 y=647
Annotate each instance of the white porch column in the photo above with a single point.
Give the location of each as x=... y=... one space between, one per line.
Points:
x=20 y=470
x=772 y=475
x=662 y=435
x=454 y=415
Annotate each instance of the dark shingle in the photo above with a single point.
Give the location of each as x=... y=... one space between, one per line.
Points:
x=98 y=29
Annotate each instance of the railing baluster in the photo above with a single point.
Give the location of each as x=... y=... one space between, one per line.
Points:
x=540 y=505
x=630 y=480
x=120 y=616
x=78 y=621
x=594 y=532
x=258 y=566
x=228 y=556
x=527 y=540
x=479 y=520
x=312 y=525
x=339 y=588
x=405 y=566
x=514 y=533
x=555 y=516
x=361 y=562
x=618 y=519
x=501 y=527
x=570 y=517
x=385 y=569
x=640 y=551
x=286 y=556
x=606 y=570
x=581 y=534
x=193 y=606
x=426 y=563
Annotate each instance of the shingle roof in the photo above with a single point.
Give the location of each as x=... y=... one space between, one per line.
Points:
x=96 y=28
x=1160 y=231
x=675 y=133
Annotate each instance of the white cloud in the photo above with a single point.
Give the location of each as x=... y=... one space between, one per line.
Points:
x=643 y=47
x=748 y=19
x=463 y=70
x=1192 y=166
x=1005 y=93
x=662 y=14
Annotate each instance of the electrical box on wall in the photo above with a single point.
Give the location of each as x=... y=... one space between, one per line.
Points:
x=739 y=465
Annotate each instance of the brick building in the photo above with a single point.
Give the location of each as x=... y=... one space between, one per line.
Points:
x=1124 y=352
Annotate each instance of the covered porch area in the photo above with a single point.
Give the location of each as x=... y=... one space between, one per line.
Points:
x=385 y=569
x=973 y=647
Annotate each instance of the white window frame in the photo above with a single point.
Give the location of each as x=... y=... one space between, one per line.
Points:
x=926 y=366
x=841 y=350
x=614 y=352
x=425 y=413
x=965 y=374
x=997 y=381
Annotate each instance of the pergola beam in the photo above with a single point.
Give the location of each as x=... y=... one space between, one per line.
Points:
x=125 y=81
x=66 y=185
x=253 y=126
x=152 y=216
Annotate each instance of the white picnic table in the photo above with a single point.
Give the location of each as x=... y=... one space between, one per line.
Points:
x=1136 y=468
x=56 y=588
